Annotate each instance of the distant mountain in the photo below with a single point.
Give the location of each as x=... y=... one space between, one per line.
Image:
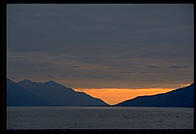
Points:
x=18 y=96
x=59 y=95
x=182 y=97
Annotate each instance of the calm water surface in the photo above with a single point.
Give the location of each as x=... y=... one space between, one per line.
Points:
x=99 y=118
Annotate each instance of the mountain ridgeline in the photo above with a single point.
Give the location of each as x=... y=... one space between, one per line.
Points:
x=18 y=96
x=28 y=93
x=50 y=93
x=182 y=97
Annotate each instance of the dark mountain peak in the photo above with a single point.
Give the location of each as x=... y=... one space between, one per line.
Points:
x=53 y=83
x=18 y=96
x=26 y=81
x=50 y=82
x=11 y=82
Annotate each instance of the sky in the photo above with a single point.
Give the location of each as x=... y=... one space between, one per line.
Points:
x=102 y=46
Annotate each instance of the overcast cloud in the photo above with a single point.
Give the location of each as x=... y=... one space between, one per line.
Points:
x=101 y=46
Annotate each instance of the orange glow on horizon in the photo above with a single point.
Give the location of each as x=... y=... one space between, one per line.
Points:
x=114 y=95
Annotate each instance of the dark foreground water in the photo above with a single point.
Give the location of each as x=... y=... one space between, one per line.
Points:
x=99 y=118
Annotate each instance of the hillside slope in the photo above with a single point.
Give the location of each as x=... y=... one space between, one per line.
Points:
x=182 y=97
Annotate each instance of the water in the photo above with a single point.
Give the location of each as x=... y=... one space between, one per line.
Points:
x=99 y=118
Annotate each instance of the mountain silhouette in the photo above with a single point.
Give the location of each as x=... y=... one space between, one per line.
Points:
x=59 y=95
x=182 y=97
x=18 y=96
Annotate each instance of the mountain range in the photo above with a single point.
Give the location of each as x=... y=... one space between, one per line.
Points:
x=18 y=96
x=182 y=97
x=50 y=93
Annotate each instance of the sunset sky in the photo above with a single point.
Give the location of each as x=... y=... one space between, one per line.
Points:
x=110 y=51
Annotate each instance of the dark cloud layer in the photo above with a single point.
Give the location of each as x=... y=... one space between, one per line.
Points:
x=98 y=46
